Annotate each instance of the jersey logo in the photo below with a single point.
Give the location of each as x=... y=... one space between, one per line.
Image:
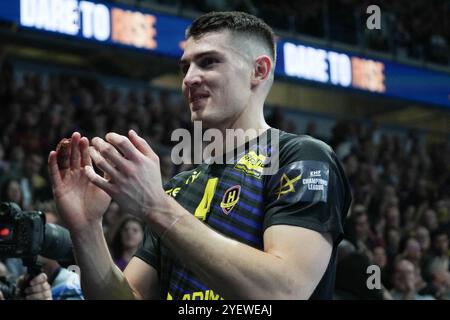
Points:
x=193 y=177
x=173 y=192
x=251 y=164
x=287 y=185
x=230 y=199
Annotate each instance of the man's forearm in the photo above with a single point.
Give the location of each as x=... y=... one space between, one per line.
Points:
x=232 y=269
x=100 y=277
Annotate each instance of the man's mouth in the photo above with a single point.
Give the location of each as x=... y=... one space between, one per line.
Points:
x=197 y=97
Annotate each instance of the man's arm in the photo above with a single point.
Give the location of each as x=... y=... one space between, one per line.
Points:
x=82 y=205
x=102 y=279
x=290 y=267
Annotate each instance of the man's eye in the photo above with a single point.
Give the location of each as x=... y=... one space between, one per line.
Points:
x=207 y=62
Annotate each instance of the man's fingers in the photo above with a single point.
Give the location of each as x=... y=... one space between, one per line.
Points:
x=123 y=144
x=141 y=144
x=63 y=154
x=109 y=152
x=103 y=164
x=53 y=169
x=75 y=157
x=84 y=150
x=100 y=182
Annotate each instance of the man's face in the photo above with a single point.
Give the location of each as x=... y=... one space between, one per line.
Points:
x=217 y=76
x=404 y=276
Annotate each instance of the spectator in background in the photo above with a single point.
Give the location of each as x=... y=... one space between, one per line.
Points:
x=412 y=252
x=358 y=230
x=126 y=241
x=439 y=281
x=11 y=192
x=379 y=258
x=111 y=219
x=405 y=281
x=392 y=240
x=440 y=248
x=32 y=183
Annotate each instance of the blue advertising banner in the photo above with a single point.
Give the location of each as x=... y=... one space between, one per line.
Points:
x=163 y=34
x=352 y=71
x=99 y=22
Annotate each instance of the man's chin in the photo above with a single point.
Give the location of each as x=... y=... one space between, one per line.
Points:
x=200 y=117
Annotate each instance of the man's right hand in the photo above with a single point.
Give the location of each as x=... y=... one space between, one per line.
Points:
x=79 y=202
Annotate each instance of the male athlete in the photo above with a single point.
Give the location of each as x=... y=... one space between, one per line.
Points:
x=222 y=230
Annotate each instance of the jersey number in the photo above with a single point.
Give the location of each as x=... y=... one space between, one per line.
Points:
x=204 y=205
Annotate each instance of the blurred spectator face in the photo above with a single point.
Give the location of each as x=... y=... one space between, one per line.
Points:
x=351 y=165
x=55 y=118
x=412 y=250
x=13 y=192
x=393 y=217
x=430 y=219
x=423 y=236
x=441 y=244
x=132 y=235
x=379 y=257
x=113 y=214
x=362 y=226
x=393 y=238
x=441 y=278
x=404 y=276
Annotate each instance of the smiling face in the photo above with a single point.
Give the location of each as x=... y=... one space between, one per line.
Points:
x=217 y=78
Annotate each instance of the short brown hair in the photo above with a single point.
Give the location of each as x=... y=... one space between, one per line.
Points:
x=235 y=21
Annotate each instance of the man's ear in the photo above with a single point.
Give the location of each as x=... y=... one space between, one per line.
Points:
x=261 y=71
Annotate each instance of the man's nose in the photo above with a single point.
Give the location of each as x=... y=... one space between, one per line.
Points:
x=193 y=77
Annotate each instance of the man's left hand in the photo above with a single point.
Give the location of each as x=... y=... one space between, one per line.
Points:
x=133 y=171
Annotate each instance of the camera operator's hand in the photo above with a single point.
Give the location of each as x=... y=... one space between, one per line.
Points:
x=39 y=288
x=80 y=203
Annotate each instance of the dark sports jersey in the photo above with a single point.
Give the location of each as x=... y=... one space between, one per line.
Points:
x=240 y=200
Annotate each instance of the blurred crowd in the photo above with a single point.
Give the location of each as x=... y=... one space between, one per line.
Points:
x=399 y=218
x=417 y=29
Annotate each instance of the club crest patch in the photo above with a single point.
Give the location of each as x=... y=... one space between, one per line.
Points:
x=230 y=199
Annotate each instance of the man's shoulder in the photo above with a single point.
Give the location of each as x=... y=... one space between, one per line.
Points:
x=303 y=147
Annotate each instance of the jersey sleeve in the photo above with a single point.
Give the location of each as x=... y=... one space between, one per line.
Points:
x=309 y=190
x=150 y=251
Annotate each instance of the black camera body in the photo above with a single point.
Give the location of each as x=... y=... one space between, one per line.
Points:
x=24 y=234
x=21 y=232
